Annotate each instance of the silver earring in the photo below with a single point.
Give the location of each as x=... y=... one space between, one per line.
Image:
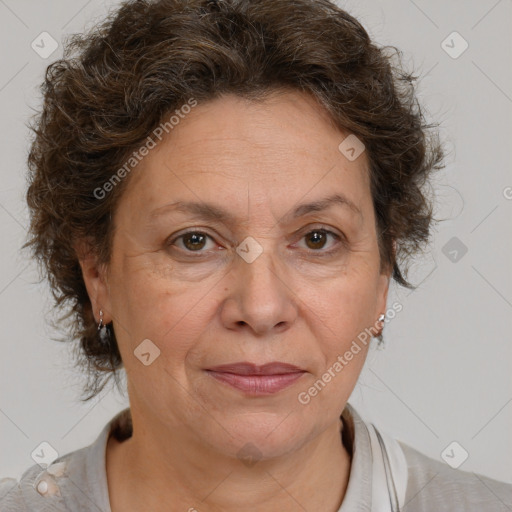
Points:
x=381 y=345
x=102 y=330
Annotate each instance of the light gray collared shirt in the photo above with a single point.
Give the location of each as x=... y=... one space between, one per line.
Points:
x=77 y=481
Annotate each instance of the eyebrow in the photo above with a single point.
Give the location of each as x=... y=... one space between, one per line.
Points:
x=209 y=211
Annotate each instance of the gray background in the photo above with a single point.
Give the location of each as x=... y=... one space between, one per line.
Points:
x=445 y=375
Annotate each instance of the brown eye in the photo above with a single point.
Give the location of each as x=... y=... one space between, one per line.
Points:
x=316 y=239
x=322 y=242
x=193 y=241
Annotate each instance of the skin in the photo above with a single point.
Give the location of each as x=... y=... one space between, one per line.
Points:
x=208 y=306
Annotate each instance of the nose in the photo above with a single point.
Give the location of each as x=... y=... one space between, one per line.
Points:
x=261 y=298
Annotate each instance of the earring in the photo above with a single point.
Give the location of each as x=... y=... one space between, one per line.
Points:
x=103 y=331
x=381 y=345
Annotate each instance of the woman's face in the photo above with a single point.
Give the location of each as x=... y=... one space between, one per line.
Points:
x=269 y=279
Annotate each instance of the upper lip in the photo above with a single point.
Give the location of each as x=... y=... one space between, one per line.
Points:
x=274 y=368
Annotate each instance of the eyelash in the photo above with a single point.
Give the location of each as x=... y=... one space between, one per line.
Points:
x=339 y=238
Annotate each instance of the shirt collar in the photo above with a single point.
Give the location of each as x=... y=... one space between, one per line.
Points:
x=354 y=436
x=359 y=489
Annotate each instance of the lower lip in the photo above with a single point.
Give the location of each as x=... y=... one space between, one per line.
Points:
x=257 y=384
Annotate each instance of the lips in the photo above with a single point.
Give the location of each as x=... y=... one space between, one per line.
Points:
x=274 y=368
x=257 y=380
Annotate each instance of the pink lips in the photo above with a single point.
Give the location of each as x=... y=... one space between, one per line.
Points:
x=257 y=380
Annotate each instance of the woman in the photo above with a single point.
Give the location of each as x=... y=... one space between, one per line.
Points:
x=221 y=192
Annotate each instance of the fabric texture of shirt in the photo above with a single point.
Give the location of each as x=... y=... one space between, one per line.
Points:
x=77 y=481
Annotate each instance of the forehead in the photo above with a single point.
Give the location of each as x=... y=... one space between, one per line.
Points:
x=283 y=148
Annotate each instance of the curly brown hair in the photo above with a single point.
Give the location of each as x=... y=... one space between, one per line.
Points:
x=116 y=83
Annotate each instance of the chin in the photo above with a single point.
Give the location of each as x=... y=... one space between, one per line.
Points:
x=260 y=435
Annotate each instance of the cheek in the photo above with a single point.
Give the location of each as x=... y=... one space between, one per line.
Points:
x=150 y=305
x=338 y=317
x=340 y=311
x=350 y=296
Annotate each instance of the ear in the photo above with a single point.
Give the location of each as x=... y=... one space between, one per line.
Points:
x=96 y=280
x=382 y=292
x=383 y=285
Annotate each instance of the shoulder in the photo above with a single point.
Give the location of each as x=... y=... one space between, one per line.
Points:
x=20 y=495
x=39 y=489
x=74 y=481
x=434 y=485
x=9 y=495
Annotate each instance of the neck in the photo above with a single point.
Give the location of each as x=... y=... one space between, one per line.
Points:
x=145 y=473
